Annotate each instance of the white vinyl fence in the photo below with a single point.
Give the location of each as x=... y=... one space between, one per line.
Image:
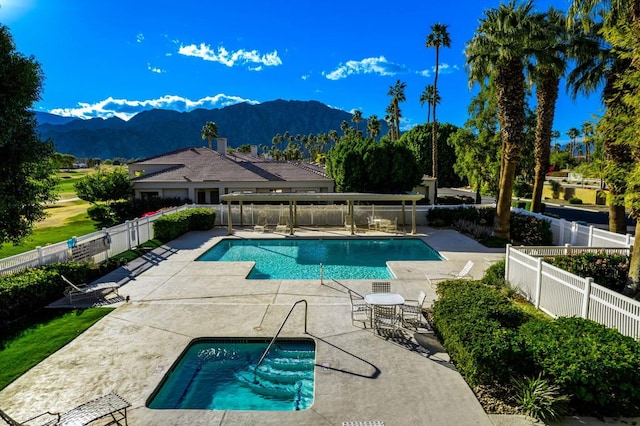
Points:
x=560 y=293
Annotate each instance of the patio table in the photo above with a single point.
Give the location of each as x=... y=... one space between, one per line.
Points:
x=383 y=299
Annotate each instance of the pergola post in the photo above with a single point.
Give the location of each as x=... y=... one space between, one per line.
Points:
x=413 y=217
x=291 y=217
x=230 y=222
x=241 y=215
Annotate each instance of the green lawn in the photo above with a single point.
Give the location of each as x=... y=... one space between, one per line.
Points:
x=45 y=337
x=77 y=225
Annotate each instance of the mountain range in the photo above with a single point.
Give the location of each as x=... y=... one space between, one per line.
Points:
x=157 y=131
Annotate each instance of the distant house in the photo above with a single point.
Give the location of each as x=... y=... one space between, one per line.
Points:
x=202 y=175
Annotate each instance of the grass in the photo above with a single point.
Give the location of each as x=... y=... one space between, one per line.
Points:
x=77 y=225
x=42 y=339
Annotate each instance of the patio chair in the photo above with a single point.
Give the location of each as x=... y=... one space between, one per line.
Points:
x=111 y=406
x=411 y=310
x=88 y=290
x=390 y=226
x=371 y=223
x=360 y=311
x=261 y=223
x=385 y=317
x=283 y=225
x=347 y=223
x=463 y=274
x=381 y=287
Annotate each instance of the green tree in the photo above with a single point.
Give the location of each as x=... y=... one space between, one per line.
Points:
x=27 y=180
x=105 y=186
x=429 y=97
x=588 y=131
x=356 y=117
x=209 y=132
x=550 y=65
x=439 y=37
x=574 y=134
x=373 y=126
x=397 y=93
x=499 y=51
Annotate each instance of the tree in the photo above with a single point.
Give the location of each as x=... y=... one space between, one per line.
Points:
x=438 y=38
x=209 y=132
x=356 y=117
x=588 y=132
x=105 y=186
x=27 y=180
x=499 y=51
x=429 y=97
x=397 y=96
x=373 y=126
x=573 y=133
x=549 y=67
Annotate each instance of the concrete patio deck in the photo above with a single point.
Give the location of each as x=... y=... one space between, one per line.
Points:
x=173 y=299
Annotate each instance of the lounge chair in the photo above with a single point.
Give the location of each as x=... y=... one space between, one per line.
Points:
x=348 y=223
x=381 y=287
x=360 y=311
x=390 y=225
x=88 y=290
x=411 y=310
x=283 y=225
x=110 y=406
x=463 y=274
x=261 y=224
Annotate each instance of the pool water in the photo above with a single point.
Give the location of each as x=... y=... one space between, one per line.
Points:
x=301 y=258
x=220 y=374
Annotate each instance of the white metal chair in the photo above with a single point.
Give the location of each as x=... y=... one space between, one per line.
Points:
x=360 y=311
x=385 y=317
x=381 y=287
x=463 y=274
x=84 y=290
x=411 y=310
x=390 y=226
x=283 y=225
x=261 y=224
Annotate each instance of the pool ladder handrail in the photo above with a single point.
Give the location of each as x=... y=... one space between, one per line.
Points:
x=266 y=351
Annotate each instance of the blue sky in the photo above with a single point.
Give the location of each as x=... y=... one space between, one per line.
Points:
x=105 y=58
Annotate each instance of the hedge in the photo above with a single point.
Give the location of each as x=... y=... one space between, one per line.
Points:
x=171 y=226
x=607 y=270
x=597 y=366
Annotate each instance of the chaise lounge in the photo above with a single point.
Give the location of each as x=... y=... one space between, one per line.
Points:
x=88 y=290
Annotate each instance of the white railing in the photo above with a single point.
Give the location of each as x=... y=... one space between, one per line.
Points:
x=560 y=293
x=117 y=239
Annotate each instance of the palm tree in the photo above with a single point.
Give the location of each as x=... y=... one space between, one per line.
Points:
x=397 y=95
x=614 y=11
x=573 y=134
x=587 y=138
x=550 y=66
x=429 y=96
x=209 y=132
x=373 y=126
x=356 y=117
x=344 y=126
x=438 y=38
x=499 y=50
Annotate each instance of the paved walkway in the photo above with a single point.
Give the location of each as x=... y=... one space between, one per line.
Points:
x=173 y=299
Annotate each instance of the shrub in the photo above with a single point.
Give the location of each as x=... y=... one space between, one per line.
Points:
x=522 y=189
x=494 y=275
x=597 y=366
x=575 y=200
x=607 y=270
x=101 y=214
x=530 y=231
x=479 y=327
x=555 y=188
x=171 y=226
x=28 y=291
x=540 y=399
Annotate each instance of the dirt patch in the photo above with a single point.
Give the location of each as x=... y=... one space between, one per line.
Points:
x=59 y=213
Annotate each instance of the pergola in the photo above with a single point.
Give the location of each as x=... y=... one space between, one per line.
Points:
x=294 y=198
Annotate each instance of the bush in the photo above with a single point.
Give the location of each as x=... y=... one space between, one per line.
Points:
x=529 y=230
x=522 y=189
x=575 y=200
x=540 y=399
x=171 y=226
x=101 y=214
x=494 y=275
x=607 y=270
x=597 y=366
x=479 y=327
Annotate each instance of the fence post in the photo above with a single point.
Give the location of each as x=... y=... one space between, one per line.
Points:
x=574 y=231
x=563 y=224
x=587 y=297
x=137 y=232
x=128 y=233
x=506 y=263
x=538 y=281
x=105 y=236
x=628 y=240
x=40 y=256
x=590 y=240
x=567 y=249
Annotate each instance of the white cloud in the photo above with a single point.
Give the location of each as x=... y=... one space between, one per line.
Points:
x=445 y=68
x=140 y=38
x=125 y=109
x=379 y=65
x=305 y=76
x=155 y=69
x=231 y=58
x=425 y=73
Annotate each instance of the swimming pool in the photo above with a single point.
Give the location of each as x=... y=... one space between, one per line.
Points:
x=362 y=258
x=220 y=374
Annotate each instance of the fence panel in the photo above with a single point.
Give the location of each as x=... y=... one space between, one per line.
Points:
x=615 y=310
x=522 y=268
x=561 y=293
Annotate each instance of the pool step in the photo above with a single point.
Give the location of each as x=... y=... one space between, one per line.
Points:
x=292 y=364
x=275 y=375
x=294 y=353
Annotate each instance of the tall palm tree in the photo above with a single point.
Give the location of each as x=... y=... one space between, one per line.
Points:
x=209 y=132
x=587 y=138
x=573 y=133
x=356 y=117
x=439 y=37
x=344 y=126
x=373 y=126
x=397 y=93
x=614 y=11
x=499 y=50
x=429 y=97
x=550 y=66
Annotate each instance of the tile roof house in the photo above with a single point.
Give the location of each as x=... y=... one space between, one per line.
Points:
x=202 y=175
